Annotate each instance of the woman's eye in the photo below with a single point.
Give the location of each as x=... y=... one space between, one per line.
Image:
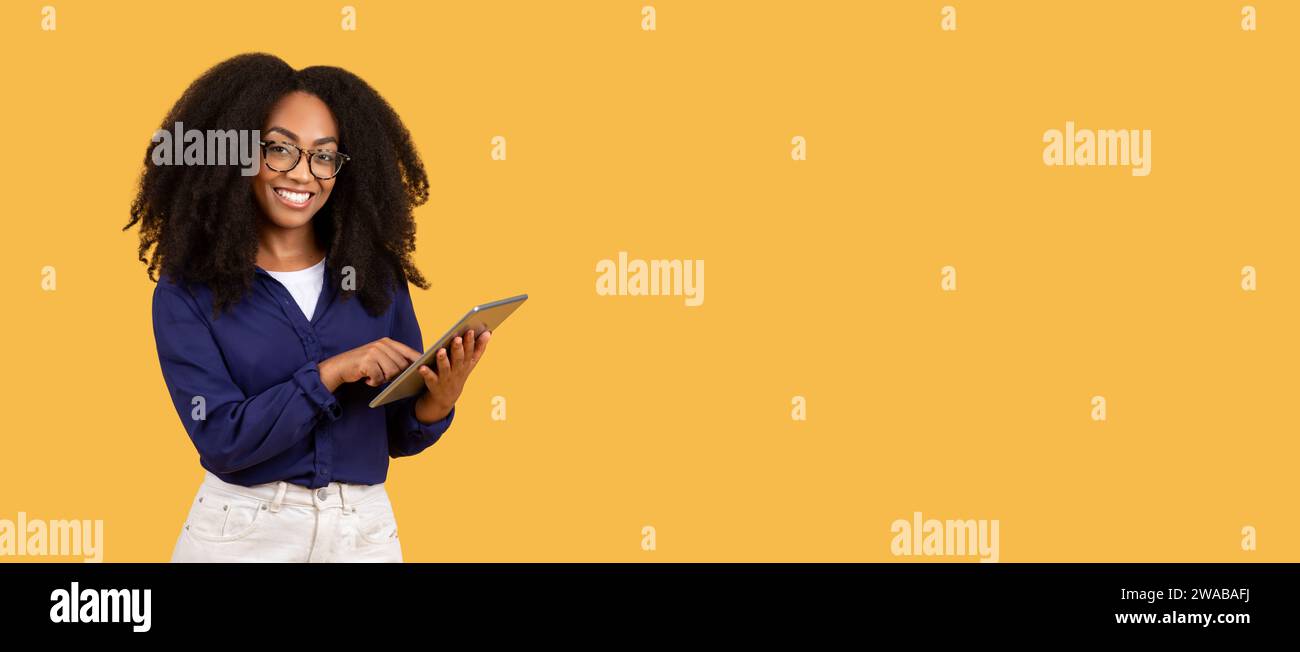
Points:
x=279 y=149
x=325 y=157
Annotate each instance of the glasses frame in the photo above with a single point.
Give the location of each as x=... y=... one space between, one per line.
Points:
x=312 y=152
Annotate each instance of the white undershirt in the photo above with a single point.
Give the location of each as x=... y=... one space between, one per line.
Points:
x=304 y=285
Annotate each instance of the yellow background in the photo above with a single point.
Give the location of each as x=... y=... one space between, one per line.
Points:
x=822 y=276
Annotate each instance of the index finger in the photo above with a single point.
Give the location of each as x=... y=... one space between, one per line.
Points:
x=411 y=354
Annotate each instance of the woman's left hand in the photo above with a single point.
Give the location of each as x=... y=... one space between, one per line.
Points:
x=446 y=384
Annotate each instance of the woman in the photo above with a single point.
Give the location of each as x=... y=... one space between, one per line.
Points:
x=282 y=307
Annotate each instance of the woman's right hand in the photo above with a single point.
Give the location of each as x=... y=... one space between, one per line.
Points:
x=377 y=363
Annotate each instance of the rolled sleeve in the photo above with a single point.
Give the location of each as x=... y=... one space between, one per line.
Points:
x=431 y=431
x=412 y=436
x=308 y=378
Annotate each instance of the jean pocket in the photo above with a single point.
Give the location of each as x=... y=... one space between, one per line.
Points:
x=218 y=516
x=379 y=526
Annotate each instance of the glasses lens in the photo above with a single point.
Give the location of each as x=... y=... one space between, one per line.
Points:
x=281 y=157
x=325 y=164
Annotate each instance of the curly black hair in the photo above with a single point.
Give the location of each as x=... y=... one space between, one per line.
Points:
x=200 y=221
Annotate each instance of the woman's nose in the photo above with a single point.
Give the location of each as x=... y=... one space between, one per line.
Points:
x=302 y=171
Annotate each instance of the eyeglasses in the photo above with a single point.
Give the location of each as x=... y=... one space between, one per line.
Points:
x=283 y=157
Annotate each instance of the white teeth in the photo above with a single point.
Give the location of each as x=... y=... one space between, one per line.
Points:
x=295 y=197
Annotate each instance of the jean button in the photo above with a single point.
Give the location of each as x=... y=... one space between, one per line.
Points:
x=322 y=493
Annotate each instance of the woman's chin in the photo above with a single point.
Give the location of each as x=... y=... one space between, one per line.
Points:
x=296 y=222
x=293 y=220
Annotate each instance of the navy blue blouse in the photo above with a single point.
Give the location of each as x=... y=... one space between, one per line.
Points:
x=249 y=393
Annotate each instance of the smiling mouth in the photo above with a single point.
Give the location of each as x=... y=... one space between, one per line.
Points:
x=294 y=198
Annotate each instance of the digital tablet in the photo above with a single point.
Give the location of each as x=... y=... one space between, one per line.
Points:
x=486 y=317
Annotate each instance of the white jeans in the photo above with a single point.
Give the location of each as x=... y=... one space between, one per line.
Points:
x=282 y=522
